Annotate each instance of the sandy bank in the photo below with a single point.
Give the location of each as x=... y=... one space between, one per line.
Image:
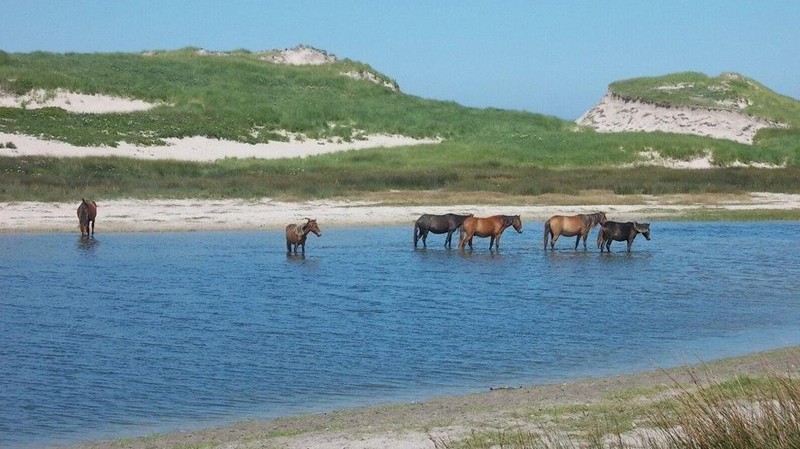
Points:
x=202 y=149
x=409 y=426
x=616 y=114
x=267 y=214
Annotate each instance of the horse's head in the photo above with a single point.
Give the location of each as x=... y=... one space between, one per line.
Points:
x=601 y=218
x=311 y=226
x=516 y=222
x=642 y=228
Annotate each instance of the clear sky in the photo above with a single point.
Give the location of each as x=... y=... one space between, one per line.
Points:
x=551 y=57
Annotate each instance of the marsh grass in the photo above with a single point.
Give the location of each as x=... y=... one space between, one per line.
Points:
x=354 y=174
x=743 y=412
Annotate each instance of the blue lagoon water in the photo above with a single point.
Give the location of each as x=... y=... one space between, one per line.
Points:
x=129 y=334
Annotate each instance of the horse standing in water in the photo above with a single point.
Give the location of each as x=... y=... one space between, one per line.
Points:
x=612 y=230
x=438 y=224
x=87 y=211
x=492 y=227
x=575 y=225
x=296 y=234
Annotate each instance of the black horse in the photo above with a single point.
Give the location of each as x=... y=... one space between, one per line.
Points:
x=621 y=232
x=438 y=224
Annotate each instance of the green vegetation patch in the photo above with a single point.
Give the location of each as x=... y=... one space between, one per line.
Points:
x=729 y=91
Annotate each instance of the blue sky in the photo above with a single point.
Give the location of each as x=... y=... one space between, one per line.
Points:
x=551 y=57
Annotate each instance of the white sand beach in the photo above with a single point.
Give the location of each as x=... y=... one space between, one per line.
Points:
x=130 y=215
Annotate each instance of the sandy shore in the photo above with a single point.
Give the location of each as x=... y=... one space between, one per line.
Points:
x=219 y=215
x=410 y=426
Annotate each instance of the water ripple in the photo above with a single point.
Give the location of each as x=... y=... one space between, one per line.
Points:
x=152 y=332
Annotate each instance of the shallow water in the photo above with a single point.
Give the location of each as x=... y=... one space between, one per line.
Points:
x=129 y=334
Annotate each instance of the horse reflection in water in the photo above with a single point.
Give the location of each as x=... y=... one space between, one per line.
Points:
x=296 y=235
x=491 y=227
x=87 y=244
x=87 y=212
x=437 y=224
x=574 y=225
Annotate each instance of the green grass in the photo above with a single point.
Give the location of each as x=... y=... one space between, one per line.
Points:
x=743 y=412
x=697 y=89
x=353 y=174
x=240 y=97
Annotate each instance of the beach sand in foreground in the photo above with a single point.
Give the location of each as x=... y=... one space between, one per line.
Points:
x=450 y=418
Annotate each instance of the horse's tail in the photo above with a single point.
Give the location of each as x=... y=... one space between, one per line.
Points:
x=547 y=232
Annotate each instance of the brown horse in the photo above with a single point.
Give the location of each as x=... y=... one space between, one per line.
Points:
x=492 y=227
x=296 y=234
x=569 y=226
x=87 y=211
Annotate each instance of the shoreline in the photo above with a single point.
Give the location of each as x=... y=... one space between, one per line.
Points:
x=449 y=418
x=180 y=215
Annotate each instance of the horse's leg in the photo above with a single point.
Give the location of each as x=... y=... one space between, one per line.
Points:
x=554 y=240
x=467 y=239
x=585 y=236
x=492 y=238
x=630 y=242
x=448 y=239
x=424 y=235
x=92 y=228
x=577 y=240
x=547 y=233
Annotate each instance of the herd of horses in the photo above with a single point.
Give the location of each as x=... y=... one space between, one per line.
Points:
x=468 y=227
x=577 y=226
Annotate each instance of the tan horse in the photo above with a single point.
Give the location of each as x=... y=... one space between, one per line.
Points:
x=492 y=227
x=296 y=234
x=569 y=226
x=87 y=212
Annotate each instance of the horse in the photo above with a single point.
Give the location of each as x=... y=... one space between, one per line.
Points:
x=487 y=227
x=574 y=225
x=87 y=211
x=438 y=224
x=612 y=230
x=296 y=234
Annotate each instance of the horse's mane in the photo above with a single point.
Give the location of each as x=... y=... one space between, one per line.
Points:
x=300 y=229
x=591 y=219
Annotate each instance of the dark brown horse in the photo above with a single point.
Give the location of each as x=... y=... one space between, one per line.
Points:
x=575 y=225
x=492 y=227
x=621 y=232
x=296 y=234
x=87 y=211
x=438 y=224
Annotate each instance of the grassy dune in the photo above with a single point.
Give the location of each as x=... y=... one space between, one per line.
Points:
x=239 y=97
